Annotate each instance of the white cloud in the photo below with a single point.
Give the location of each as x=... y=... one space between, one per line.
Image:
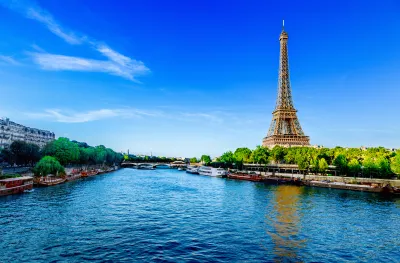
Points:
x=68 y=116
x=60 y=62
x=45 y=18
x=117 y=64
x=79 y=117
x=207 y=116
x=9 y=60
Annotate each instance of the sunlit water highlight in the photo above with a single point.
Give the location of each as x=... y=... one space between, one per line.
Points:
x=170 y=216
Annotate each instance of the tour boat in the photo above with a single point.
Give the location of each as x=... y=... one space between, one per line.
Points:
x=50 y=180
x=15 y=185
x=211 y=171
x=192 y=169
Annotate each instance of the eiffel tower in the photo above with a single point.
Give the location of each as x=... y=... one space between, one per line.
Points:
x=285 y=129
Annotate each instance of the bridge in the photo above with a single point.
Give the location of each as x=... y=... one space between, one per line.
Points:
x=154 y=165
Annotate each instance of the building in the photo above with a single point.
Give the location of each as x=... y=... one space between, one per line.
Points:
x=11 y=131
x=285 y=129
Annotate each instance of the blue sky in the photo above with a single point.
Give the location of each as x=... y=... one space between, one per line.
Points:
x=185 y=78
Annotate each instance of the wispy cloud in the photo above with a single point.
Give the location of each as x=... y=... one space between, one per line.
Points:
x=94 y=115
x=45 y=18
x=68 y=116
x=9 y=60
x=206 y=116
x=60 y=62
x=116 y=63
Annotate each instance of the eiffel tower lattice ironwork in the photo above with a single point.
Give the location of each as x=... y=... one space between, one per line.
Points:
x=285 y=129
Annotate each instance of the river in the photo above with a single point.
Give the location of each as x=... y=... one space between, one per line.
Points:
x=171 y=216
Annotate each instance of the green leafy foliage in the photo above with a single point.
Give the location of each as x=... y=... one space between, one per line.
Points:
x=193 y=160
x=260 y=155
x=242 y=155
x=278 y=154
x=323 y=165
x=21 y=153
x=63 y=150
x=205 y=159
x=395 y=164
x=48 y=165
x=340 y=162
x=354 y=167
x=228 y=157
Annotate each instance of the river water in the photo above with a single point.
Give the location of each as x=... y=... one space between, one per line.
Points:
x=171 y=216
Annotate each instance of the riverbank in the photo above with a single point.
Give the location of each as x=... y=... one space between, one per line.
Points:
x=336 y=182
x=18 y=183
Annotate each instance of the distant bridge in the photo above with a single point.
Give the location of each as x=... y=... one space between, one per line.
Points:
x=154 y=165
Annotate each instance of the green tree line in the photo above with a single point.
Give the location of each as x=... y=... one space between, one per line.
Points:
x=66 y=152
x=373 y=162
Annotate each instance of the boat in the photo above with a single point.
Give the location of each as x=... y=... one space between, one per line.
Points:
x=146 y=166
x=89 y=173
x=346 y=186
x=180 y=169
x=245 y=177
x=74 y=175
x=192 y=169
x=16 y=185
x=211 y=171
x=50 y=180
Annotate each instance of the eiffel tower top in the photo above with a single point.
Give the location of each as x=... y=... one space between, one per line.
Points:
x=283 y=35
x=284 y=100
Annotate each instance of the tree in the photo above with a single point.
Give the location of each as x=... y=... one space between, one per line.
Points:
x=341 y=163
x=384 y=167
x=205 y=159
x=193 y=160
x=369 y=166
x=242 y=154
x=228 y=157
x=110 y=157
x=290 y=157
x=48 y=165
x=63 y=150
x=260 y=155
x=100 y=154
x=84 y=155
x=8 y=156
x=395 y=164
x=323 y=165
x=354 y=167
x=278 y=154
x=314 y=165
x=302 y=162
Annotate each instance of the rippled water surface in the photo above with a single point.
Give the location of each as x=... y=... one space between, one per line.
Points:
x=170 y=216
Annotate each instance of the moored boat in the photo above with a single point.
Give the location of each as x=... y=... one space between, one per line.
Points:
x=211 y=171
x=50 y=180
x=192 y=169
x=74 y=175
x=15 y=185
x=89 y=173
x=245 y=177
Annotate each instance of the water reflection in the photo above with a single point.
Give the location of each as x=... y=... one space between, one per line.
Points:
x=285 y=224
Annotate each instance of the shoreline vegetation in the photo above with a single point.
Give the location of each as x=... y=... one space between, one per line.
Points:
x=58 y=155
x=375 y=162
